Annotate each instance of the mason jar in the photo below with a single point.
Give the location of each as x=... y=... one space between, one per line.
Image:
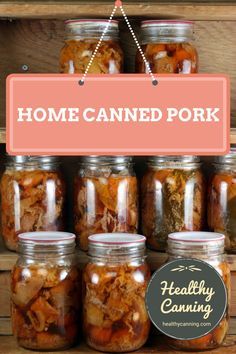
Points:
x=46 y=291
x=168 y=47
x=82 y=37
x=32 y=197
x=106 y=197
x=115 y=281
x=222 y=199
x=172 y=197
x=208 y=247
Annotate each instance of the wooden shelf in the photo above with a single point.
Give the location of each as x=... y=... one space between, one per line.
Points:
x=28 y=39
x=8 y=345
x=3 y=137
x=154 y=259
x=233 y=136
x=31 y=39
x=197 y=10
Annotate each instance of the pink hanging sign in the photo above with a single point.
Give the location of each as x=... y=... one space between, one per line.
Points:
x=117 y=114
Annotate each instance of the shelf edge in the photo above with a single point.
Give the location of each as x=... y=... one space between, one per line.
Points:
x=232 y=136
x=2 y=136
x=192 y=11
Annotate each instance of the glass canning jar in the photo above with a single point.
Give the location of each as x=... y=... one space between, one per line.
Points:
x=106 y=197
x=168 y=48
x=46 y=291
x=222 y=199
x=82 y=37
x=115 y=282
x=208 y=247
x=172 y=197
x=32 y=197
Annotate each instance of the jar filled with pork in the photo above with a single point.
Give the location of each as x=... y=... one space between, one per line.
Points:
x=208 y=247
x=106 y=197
x=82 y=37
x=32 y=197
x=222 y=199
x=173 y=198
x=115 y=281
x=168 y=47
x=46 y=291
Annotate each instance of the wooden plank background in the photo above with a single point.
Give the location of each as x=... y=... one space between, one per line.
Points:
x=155 y=346
x=200 y=10
x=82 y=2
x=3 y=136
x=37 y=44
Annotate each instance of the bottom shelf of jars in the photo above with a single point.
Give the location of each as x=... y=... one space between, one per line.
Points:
x=155 y=260
x=9 y=345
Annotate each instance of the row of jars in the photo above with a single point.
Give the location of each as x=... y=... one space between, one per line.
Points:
x=167 y=46
x=46 y=292
x=173 y=196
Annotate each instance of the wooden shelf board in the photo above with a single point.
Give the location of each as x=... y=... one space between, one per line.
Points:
x=6 y=326
x=8 y=345
x=195 y=10
x=7 y=258
x=2 y=136
x=69 y=2
x=155 y=259
x=232 y=136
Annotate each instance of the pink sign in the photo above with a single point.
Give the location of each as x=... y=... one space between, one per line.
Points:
x=117 y=114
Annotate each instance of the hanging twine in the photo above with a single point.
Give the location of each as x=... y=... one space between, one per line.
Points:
x=118 y=4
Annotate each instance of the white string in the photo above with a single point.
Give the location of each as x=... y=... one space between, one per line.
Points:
x=154 y=81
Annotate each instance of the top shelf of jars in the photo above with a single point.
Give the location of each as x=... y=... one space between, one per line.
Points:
x=195 y=9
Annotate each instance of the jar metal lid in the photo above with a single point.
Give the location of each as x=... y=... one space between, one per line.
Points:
x=117 y=239
x=177 y=23
x=228 y=158
x=168 y=31
x=47 y=238
x=116 y=246
x=81 y=22
x=195 y=244
x=106 y=160
x=174 y=159
x=33 y=159
x=196 y=237
x=79 y=29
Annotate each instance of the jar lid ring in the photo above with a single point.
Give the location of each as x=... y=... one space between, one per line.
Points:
x=47 y=237
x=116 y=239
x=83 y=21
x=196 y=237
x=147 y=23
